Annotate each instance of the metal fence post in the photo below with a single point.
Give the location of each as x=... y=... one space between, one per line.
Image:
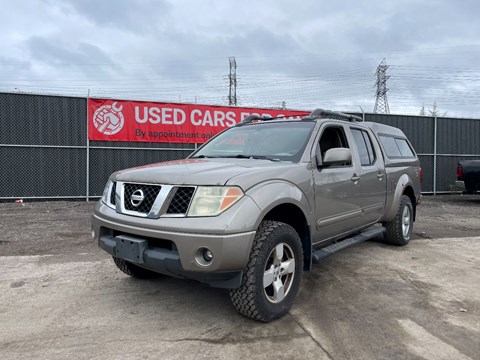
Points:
x=435 y=156
x=87 y=184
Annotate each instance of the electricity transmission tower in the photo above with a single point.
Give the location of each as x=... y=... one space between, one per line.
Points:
x=381 y=101
x=232 y=93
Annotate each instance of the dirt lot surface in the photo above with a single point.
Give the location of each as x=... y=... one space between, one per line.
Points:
x=59 y=227
x=61 y=297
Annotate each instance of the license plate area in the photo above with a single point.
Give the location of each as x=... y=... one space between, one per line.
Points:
x=130 y=248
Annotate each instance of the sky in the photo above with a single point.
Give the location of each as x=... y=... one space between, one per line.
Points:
x=308 y=53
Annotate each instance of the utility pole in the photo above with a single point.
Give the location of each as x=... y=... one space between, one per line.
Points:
x=232 y=93
x=381 y=101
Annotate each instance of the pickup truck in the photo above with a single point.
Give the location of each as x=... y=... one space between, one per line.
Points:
x=260 y=203
x=468 y=176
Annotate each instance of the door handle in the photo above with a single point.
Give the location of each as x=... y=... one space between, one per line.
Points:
x=355 y=178
x=380 y=175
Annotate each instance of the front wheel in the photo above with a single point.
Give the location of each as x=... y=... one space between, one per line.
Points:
x=399 y=230
x=272 y=277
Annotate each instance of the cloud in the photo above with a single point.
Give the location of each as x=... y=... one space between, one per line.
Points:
x=63 y=61
x=307 y=52
x=131 y=16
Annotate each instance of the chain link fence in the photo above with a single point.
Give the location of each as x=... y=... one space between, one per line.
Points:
x=107 y=157
x=45 y=153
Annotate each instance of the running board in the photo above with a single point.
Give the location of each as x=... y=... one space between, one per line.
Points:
x=348 y=242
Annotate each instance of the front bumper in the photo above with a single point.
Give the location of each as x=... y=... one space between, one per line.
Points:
x=172 y=243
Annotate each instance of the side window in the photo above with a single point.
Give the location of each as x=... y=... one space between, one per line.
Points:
x=371 y=152
x=364 y=147
x=396 y=147
x=332 y=137
x=405 y=149
x=390 y=146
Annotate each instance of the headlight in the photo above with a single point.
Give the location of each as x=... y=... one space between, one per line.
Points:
x=213 y=200
x=106 y=193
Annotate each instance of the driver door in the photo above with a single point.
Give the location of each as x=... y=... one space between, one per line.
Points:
x=337 y=189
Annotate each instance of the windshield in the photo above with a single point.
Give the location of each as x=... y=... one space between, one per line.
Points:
x=283 y=141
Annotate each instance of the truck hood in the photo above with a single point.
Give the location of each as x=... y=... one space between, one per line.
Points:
x=205 y=172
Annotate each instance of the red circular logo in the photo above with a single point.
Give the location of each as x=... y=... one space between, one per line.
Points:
x=108 y=119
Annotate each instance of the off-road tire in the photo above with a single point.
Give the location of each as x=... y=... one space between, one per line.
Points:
x=134 y=270
x=251 y=299
x=399 y=230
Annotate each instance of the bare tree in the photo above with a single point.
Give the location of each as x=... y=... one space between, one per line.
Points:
x=422 y=111
x=434 y=112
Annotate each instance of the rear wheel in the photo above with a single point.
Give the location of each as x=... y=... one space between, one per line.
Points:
x=133 y=270
x=399 y=230
x=272 y=277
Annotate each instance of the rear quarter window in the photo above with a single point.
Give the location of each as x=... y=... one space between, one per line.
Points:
x=405 y=149
x=396 y=147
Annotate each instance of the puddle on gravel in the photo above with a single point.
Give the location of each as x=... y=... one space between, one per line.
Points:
x=17 y=284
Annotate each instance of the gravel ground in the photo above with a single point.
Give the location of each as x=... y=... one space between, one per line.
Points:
x=41 y=228
x=64 y=299
x=446 y=216
x=63 y=227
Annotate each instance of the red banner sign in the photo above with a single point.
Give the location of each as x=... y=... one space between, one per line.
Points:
x=119 y=120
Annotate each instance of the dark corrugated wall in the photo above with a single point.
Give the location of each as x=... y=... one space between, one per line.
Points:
x=43 y=147
x=454 y=137
x=104 y=162
x=42 y=120
x=47 y=168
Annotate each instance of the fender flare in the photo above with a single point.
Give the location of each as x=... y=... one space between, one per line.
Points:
x=273 y=193
x=403 y=182
x=278 y=193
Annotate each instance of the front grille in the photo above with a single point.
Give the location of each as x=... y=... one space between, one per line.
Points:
x=112 y=193
x=181 y=200
x=135 y=203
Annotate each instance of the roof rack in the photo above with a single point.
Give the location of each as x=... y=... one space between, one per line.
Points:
x=252 y=118
x=315 y=114
x=328 y=114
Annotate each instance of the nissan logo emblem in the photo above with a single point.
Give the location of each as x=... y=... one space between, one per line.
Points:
x=137 y=197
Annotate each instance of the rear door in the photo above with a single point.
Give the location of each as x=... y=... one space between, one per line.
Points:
x=372 y=184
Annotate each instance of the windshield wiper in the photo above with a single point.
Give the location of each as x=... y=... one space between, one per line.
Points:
x=262 y=157
x=237 y=156
x=243 y=156
x=213 y=156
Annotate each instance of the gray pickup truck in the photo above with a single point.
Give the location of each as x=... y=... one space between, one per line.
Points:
x=260 y=203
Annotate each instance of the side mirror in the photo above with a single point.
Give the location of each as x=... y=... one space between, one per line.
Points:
x=337 y=156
